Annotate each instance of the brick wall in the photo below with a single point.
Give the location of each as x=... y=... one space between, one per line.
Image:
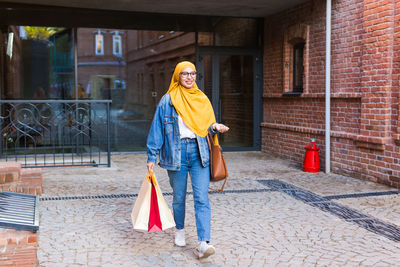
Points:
x=364 y=87
x=19 y=248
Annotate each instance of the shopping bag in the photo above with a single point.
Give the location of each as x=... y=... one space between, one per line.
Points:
x=154 y=217
x=150 y=212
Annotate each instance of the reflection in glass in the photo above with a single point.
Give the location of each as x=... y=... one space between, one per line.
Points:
x=134 y=72
x=236 y=100
x=99 y=44
x=133 y=69
x=42 y=64
x=236 y=32
x=207 y=76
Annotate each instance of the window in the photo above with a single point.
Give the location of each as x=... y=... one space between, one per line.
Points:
x=117 y=47
x=295 y=60
x=99 y=44
x=298 y=67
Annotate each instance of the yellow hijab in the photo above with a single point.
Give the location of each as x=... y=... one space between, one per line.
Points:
x=192 y=104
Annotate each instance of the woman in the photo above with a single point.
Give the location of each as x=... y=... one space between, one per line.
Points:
x=178 y=133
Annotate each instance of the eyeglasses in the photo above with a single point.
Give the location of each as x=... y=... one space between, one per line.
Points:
x=186 y=74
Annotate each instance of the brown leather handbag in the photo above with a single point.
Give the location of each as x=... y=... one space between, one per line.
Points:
x=218 y=170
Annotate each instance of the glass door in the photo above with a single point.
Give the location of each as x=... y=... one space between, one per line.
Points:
x=231 y=78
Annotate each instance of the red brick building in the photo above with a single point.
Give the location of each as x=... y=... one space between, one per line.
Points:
x=364 y=87
x=101 y=65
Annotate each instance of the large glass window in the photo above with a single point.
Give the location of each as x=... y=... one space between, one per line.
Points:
x=132 y=68
x=134 y=72
x=41 y=63
x=236 y=32
x=236 y=75
x=228 y=81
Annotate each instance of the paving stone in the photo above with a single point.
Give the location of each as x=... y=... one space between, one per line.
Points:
x=248 y=229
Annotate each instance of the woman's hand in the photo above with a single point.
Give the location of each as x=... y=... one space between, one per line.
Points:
x=150 y=166
x=220 y=127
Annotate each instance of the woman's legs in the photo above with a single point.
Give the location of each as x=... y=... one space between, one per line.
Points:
x=178 y=182
x=200 y=178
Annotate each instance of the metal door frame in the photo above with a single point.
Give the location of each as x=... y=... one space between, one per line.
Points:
x=215 y=52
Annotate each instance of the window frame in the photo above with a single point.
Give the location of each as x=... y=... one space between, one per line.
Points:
x=117 y=42
x=294 y=35
x=97 y=53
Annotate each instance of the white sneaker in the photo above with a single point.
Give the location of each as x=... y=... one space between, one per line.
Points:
x=180 y=238
x=204 y=250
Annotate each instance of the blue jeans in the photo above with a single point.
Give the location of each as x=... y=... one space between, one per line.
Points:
x=200 y=177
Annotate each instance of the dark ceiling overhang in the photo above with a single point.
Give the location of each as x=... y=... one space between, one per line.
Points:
x=232 y=8
x=35 y=15
x=136 y=14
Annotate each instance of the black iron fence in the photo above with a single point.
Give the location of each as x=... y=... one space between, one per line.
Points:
x=54 y=133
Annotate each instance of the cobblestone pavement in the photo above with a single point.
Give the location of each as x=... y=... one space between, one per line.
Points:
x=249 y=228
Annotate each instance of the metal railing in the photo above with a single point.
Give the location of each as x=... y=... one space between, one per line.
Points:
x=55 y=133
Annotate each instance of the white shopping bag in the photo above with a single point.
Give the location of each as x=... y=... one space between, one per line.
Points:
x=149 y=214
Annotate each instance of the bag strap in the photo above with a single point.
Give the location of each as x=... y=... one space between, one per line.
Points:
x=211 y=142
x=222 y=187
x=151 y=178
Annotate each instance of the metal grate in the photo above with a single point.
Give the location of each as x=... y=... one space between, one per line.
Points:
x=350 y=215
x=19 y=211
x=368 y=194
x=243 y=191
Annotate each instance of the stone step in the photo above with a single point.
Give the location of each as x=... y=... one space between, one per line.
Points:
x=10 y=167
x=18 y=248
x=9 y=172
x=32 y=175
x=10 y=237
x=23 y=187
x=15 y=179
x=19 y=256
x=9 y=177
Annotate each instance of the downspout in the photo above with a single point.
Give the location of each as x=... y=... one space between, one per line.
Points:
x=328 y=88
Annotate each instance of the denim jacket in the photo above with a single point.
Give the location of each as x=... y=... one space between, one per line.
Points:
x=164 y=138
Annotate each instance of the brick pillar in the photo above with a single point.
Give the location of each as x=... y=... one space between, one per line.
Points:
x=376 y=69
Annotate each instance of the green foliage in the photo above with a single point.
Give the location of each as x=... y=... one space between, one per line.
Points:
x=40 y=33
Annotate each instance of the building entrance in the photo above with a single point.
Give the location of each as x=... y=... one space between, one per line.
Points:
x=133 y=68
x=231 y=79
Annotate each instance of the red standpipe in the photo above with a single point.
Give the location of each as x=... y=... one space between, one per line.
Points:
x=311 y=159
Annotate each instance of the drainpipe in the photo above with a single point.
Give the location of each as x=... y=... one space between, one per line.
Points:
x=328 y=89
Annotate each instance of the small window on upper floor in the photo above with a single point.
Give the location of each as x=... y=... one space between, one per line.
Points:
x=295 y=60
x=99 y=44
x=117 y=45
x=298 y=67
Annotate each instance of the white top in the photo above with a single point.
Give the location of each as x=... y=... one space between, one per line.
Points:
x=184 y=131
